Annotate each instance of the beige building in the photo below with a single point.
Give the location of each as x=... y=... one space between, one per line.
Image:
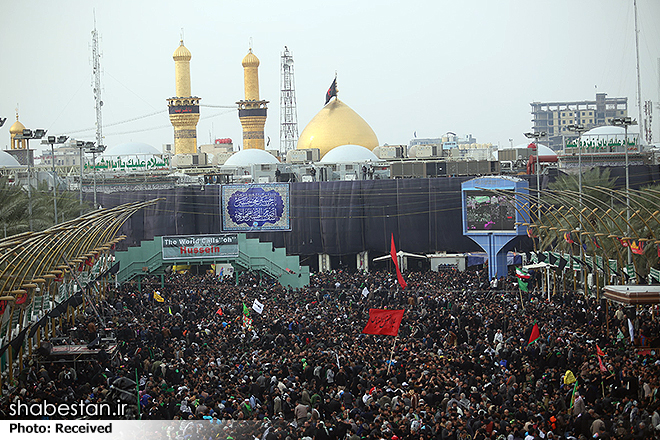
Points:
x=554 y=117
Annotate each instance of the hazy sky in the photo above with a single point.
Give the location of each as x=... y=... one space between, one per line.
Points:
x=470 y=66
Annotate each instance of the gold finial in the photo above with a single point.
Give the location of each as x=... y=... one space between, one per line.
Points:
x=17 y=111
x=250 y=44
x=181 y=36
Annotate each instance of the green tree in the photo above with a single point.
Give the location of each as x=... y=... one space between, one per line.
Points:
x=14 y=211
x=68 y=206
x=13 y=208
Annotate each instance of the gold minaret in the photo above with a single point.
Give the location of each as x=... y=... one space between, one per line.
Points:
x=252 y=111
x=184 y=108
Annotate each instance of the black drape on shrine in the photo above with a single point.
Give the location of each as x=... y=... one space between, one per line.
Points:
x=335 y=218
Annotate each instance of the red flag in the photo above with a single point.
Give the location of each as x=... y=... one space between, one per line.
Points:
x=89 y=262
x=383 y=322
x=596 y=243
x=219 y=312
x=567 y=237
x=659 y=251
x=624 y=243
x=637 y=247
x=536 y=334
x=599 y=352
x=602 y=367
x=399 y=276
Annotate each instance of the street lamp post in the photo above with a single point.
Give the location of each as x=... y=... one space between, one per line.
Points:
x=536 y=136
x=579 y=129
x=27 y=135
x=95 y=150
x=90 y=147
x=81 y=145
x=52 y=140
x=626 y=122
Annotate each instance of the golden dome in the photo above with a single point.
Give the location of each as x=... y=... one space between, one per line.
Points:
x=17 y=127
x=182 y=53
x=250 y=60
x=336 y=124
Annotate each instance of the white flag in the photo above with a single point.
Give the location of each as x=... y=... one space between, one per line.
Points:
x=631 y=329
x=365 y=292
x=257 y=307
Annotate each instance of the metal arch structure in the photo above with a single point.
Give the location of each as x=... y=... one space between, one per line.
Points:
x=29 y=256
x=602 y=219
x=32 y=262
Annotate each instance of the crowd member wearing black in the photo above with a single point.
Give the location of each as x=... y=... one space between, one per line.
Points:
x=461 y=366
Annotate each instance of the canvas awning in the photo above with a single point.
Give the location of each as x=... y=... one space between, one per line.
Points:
x=541 y=265
x=399 y=254
x=633 y=294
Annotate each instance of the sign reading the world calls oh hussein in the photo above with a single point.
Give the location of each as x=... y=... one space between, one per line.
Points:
x=190 y=247
x=255 y=207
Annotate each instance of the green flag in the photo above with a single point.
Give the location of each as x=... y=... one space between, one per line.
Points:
x=522 y=285
x=573 y=396
x=170 y=310
x=246 y=311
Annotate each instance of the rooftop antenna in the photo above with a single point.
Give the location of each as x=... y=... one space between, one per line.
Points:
x=288 y=111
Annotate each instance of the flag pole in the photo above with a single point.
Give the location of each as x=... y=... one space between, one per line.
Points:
x=389 y=364
x=137 y=388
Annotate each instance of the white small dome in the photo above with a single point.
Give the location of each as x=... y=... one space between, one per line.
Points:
x=609 y=133
x=544 y=150
x=7 y=160
x=251 y=156
x=348 y=154
x=607 y=130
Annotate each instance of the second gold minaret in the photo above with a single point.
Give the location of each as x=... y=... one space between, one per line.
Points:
x=252 y=111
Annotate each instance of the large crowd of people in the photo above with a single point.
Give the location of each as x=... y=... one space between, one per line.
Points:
x=461 y=367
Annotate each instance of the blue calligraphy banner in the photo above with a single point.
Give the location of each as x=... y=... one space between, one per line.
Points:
x=255 y=207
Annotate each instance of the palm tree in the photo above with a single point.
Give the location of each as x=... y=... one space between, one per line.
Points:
x=14 y=217
x=564 y=191
x=68 y=206
x=603 y=213
x=13 y=208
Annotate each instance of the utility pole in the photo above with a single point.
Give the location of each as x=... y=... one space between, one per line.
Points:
x=639 y=81
x=96 y=63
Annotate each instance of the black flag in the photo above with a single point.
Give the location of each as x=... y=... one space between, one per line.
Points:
x=332 y=91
